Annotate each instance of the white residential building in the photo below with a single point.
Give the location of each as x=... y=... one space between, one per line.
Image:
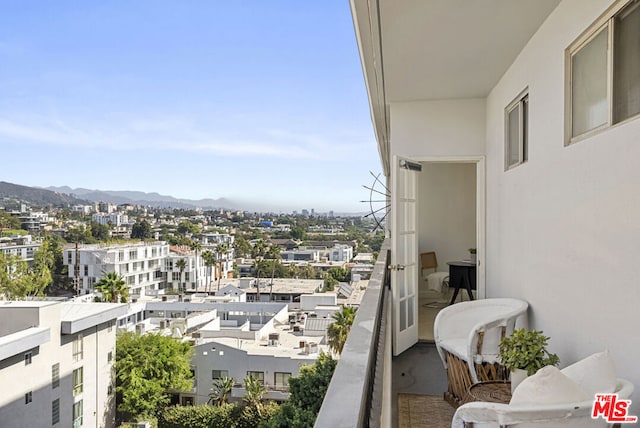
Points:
x=140 y=264
x=340 y=253
x=115 y=219
x=21 y=246
x=192 y=277
x=233 y=339
x=56 y=364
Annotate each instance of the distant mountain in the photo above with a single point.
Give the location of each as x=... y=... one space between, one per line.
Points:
x=37 y=196
x=143 y=198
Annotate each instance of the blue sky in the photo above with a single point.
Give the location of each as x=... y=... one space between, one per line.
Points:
x=261 y=101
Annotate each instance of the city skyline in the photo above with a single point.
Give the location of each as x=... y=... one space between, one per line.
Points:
x=252 y=102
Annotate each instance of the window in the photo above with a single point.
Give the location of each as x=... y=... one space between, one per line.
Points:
x=55 y=375
x=77 y=414
x=109 y=356
x=78 y=348
x=175 y=276
x=55 y=411
x=219 y=374
x=28 y=397
x=516 y=131
x=86 y=270
x=281 y=381
x=77 y=381
x=28 y=358
x=257 y=376
x=604 y=72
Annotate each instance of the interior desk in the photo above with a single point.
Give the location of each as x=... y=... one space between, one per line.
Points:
x=462 y=274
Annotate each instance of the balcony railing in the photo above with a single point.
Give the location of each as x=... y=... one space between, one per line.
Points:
x=359 y=393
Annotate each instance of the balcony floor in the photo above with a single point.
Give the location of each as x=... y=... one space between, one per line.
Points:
x=418 y=370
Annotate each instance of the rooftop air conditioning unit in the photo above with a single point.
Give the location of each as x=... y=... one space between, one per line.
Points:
x=274 y=339
x=140 y=328
x=163 y=324
x=195 y=335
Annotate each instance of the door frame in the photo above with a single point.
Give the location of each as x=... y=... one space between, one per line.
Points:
x=481 y=222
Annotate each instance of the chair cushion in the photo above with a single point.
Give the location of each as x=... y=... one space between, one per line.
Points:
x=595 y=374
x=549 y=386
x=456 y=346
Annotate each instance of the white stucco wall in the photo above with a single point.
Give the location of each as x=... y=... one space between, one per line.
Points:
x=562 y=229
x=447 y=210
x=438 y=128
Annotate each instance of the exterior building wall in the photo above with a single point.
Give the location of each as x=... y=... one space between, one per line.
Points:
x=139 y=264
x=20 y=378
x=214 y=356
x=562 y=227
x=193 y=277
x=440 y=128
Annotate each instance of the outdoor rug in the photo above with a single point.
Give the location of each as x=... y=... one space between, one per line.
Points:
x=417 y=411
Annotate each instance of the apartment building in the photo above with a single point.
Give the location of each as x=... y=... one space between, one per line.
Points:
x=115 y=219
x=191 y=277
x=56 y=363
x=234 y=339
x=21 y=246
x=140 y=264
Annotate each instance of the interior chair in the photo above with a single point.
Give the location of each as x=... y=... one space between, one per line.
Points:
x=551 y=398
x=467 y=337
x=428 y=268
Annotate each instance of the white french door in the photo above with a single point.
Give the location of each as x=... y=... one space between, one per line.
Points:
x=404 y=253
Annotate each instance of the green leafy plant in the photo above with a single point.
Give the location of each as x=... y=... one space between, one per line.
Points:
x=472 y=250
x=526 y=350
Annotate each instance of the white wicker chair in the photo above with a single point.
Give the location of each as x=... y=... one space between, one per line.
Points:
x=494 y=415
x=467 y=337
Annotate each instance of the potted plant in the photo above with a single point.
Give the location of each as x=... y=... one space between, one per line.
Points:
x=472 y=254
x=524 y=353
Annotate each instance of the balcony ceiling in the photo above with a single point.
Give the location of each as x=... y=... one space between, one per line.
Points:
x=437 y=49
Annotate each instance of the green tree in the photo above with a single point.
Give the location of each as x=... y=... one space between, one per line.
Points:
x=100 y=232
x=9 y=222
x=81 y=234
x=221 y=390
x=209 y=258
x=196 y=247
x=59 y=271
x=186 y=226
x=182 y=265
x=113 y=288
x=299 y=233
x=307 y=394
x=254 y=393
x=221 y=253
x=241 y=247
x=257 y=252
x=146 y=367
x=338 y=331
x=141 y=230
x=18 y=281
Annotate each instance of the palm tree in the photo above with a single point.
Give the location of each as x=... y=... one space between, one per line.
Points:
x=221 y=250
x=196 y=246
x=209 y=260
x=254 y=394
x=221 y=390
x=113 y=288
x=182 y=265
x=258 y=252
x=338 y=331
x=274 y=254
